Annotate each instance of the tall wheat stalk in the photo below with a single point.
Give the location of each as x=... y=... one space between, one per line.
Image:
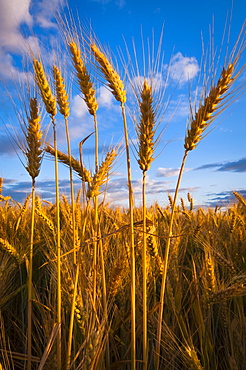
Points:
x=89 y=96
x=145 y=132
x=50 y=105
x=218 y=98
x=86 y=87
x=117 y=88
x=62 y=100
x=34 y=156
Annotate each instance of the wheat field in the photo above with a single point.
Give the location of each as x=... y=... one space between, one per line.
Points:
x=87 y=286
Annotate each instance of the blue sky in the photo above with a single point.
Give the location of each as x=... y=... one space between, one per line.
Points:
x=213 y=170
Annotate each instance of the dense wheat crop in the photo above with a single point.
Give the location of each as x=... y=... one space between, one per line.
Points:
x=87 y=286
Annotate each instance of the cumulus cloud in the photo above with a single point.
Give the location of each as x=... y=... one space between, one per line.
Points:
x=14 y=14
x=232 y=166
x=183 y=69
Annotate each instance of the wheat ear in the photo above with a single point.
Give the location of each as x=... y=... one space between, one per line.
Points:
x=44 y=88
x=10 y=250
x=83 y=173
x=34 y=141
x=114 y=82
x=240 y=198
x=102 y=175
x=145 y=128
x=61 y=94
x=205 y=114
x=83 y=79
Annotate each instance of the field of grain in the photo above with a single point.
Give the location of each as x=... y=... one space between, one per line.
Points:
x=87 y=286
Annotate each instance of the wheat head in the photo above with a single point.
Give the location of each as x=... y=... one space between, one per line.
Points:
x=6 y=246
x=44 y=88
x=84 y=174
x=101 y=176
x=205 y=114
x=34 y=141
x=145 y=128
x=61 y=94
x=83 y=79
x=114 y=82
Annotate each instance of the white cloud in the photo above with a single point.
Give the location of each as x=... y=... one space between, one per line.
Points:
x=182 y=68
x=119 y=3
x=78 y=107
x=155 y=80
x=13 y=15
x=117 y=191
x=168 y=172
x=46 y=11
x=105 y=98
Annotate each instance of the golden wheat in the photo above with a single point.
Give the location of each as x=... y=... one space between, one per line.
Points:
x=102 y=175
x=44 y=88
x=34 y=141
x=114 y=82
x=48 y=222
x=6 y=246
x=61 y=94
x=145 y=128
x=83 y=173
x=83 y=79
x=204 y=115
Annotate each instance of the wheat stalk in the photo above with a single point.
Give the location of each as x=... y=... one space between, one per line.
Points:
x=145 y=132
x=212 y=106
x=34 y=154
x=117 y=88
x=50 y=105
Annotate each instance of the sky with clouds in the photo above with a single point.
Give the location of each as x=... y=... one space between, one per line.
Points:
x=213 y=170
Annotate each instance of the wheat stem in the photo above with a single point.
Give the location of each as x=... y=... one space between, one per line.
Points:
x=133 y=268
x=144 y=258
x=59 y=337
x=165 y=265
x=34 y=157
x=30 y=273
